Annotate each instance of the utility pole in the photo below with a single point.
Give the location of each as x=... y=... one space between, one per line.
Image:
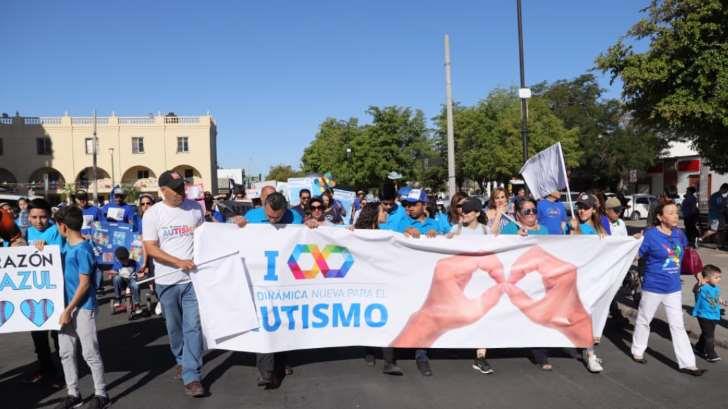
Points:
x=113 y=181
x=95 y=154
x=524 y=93
x=451 y=185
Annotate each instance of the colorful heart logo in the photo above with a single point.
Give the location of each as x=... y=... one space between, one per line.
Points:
x=6 y=311
x=37 y=312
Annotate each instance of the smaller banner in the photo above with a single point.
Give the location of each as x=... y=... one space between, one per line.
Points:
x=346 y=198
x=31 y=289
x=106 y=237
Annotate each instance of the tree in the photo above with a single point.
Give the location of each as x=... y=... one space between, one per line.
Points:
x=361 y=156
x=610 y=143
x=679 y=85
x=281 y=173
x=488 y=139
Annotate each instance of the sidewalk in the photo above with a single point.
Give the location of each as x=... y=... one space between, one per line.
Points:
x=709 y=256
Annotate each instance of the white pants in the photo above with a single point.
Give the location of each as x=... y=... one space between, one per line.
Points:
x=83 y=327
x=673 y=309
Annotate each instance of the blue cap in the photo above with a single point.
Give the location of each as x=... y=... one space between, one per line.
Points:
x=404 y=191
x=415 y=195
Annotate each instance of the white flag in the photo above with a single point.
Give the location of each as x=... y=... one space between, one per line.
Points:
x=545 y=172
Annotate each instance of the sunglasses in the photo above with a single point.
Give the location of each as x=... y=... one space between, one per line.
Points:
x=459 y=206
x=145 y=203
x=527 y=212
x=313 y=208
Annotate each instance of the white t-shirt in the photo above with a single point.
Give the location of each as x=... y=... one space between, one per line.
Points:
x=479 y=230
x=173 y=228
x=618 y=228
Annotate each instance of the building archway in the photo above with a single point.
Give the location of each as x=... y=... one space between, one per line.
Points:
x=140 y=177
x=85 y=177
x=7 y=177
x=55 y=178
x=188 y=172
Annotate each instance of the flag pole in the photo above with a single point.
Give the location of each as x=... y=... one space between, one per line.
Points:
x=196 y=265
x=566 y=178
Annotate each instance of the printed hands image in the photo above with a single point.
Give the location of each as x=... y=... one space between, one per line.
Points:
x=446 y=306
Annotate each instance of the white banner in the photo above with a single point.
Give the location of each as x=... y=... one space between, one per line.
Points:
x=31 y=289
x=329 y=287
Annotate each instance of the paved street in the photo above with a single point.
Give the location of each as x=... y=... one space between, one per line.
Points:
x=140 y=369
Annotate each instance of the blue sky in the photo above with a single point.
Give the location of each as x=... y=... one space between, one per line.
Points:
x=270 y=72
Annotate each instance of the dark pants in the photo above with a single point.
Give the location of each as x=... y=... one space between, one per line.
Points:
x=43 y=350
x=691 y=229
x=706 y=342
x=270 y=364
x=541 y=356
x=387 y=353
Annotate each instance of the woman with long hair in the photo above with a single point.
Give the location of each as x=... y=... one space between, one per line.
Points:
x=497 y=209
x=454 y=212
x=371 y=216
x=661 y=253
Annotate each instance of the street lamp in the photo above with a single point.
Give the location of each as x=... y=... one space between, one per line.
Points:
x=523 y=93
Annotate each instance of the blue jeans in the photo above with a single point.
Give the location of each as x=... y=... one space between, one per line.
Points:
x=179 y=304
x=120 y=284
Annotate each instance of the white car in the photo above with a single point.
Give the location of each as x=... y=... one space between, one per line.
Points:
x=638 y=206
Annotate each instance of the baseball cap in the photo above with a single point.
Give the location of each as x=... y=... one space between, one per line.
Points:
x=414 y=195
x=119 y=191
x=586 y=200
x=612 y=203
x=172 y=180
x=472 y=205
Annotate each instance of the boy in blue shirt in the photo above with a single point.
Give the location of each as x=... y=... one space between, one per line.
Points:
x=416 y=222
x=126 y=273
x=78 y=319
x=41 y=232
x=707 y=310
x=552 y=214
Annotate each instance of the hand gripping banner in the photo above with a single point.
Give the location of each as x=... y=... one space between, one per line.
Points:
x=291 y=287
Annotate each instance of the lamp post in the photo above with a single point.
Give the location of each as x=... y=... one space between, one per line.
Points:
x=111 y=153
x=524 y=93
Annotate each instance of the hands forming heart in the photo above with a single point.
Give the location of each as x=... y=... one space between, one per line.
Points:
x=446 y=306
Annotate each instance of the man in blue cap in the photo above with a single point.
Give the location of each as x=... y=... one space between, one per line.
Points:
x=417 y=222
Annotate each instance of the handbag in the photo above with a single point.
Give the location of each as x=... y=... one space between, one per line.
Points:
x=691 y=263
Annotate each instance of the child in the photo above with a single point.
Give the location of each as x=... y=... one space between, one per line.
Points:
x=78 y=319
x=42 y=232
x=707 y=310
x=126 y=272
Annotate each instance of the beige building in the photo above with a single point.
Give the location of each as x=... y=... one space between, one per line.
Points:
x=51 y=152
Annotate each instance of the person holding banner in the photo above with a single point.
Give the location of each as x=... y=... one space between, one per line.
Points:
x=662 y=251
x=370 y=217
x=276 y=211
x=91 y=213
x=168 y=229
x=78 y=320
x=417 y=222
x=304 y=196
x=395 y=211
x=42 y=232
x=588 y=222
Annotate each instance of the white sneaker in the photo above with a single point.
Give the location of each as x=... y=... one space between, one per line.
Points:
x=593 y=363
x=158 y=309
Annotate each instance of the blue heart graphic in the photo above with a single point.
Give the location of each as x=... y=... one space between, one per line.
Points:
x=37 y=312
x=6 y=311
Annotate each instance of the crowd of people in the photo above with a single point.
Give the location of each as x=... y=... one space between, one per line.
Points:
x=167 y=228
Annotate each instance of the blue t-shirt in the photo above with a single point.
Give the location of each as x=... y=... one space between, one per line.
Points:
x=512 y=228
x=606 y=225
x=551 y=215
x=257 y=215
x=77 y=260
x=707 y=303
x=50 y=235
x=663 y=256
x=422 y=226
x=443 y=223
x=395 y=216
x=127 y=216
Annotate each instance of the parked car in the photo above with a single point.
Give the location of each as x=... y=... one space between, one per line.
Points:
x=638 y=206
